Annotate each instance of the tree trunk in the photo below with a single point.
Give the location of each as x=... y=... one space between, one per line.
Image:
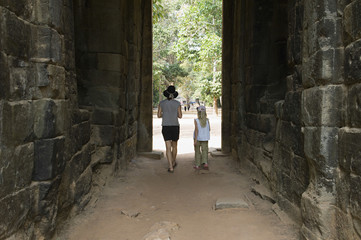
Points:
x=215 y=106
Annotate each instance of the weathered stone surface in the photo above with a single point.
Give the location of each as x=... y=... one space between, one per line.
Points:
x=292 y=107
x=81 y=135
x=318 y=214
x=350 y=150
x=47 y=45
x=355 y=196
x=102 y=135
x=4 y=75
x=15 y=116
x=44 y=119
x=324 y=67
x=321 y=149
x=352 y=21
x=353 y=63
x=102 y=117
x=291 y=137
x=161 y=231
x=48 y=158
x=51 y=80
x=16 y=34
x=102 y=155
x=83 y=184
x=48 y=12
x=14 y=211
x=354 y=108
x=16 y=166
x=324 y=106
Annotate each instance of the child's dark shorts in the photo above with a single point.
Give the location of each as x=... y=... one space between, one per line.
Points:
x=170 y=133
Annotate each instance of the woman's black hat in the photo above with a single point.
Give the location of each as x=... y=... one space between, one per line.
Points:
x=170 y=90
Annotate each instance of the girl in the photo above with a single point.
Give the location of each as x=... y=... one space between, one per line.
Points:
x=201 y=137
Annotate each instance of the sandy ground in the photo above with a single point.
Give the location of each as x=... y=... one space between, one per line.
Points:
x=129 y=205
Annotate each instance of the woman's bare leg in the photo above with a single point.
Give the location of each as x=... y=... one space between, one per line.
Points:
x=168 y=146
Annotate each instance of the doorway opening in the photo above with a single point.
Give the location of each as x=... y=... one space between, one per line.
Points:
x=187 y=53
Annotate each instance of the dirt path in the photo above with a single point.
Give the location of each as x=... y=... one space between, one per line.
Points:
x=147 y=194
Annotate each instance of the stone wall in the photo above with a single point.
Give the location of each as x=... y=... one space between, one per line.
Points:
x=68 y=102
x=293 y=113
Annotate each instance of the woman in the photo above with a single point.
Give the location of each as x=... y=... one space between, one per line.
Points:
x=170 y=110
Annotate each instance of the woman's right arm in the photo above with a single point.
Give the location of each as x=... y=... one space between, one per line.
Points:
x=159 y=111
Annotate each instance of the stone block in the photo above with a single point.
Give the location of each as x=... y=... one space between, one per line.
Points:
x=4 y=75
x=253 y=95
x=355 y=195
x=279 y=109
x=292 y=107
x=45 y=209
x=291 y=137
x=353 y=106
x=15 y=34
x=350 y=150
x=105 y=78
x=318 y=215
x=47 y=45
x=226 y=203
x=62 y=117
x=104 y=97
x=324 y=106
x=15 y=116
x=352 y=21
x=102 y=155
x=48 y=12
x=102 y=135
x=344 y=226
x=44 y=118
x=22 y=79
x=51 y=79
x=300 y=171
x=14 y=212
x=23 y=163
x=325 y=66
x=81 y=135
x=343 y=190
x=102 y=117
x=109 y=62
x=352 y=64
x=22 y=9
x=48 y=158
x=321 y=149
x=83 y=184
x=254 y=138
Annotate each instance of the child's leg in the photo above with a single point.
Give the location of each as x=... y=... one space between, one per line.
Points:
x=197 y=151
x=204 y=152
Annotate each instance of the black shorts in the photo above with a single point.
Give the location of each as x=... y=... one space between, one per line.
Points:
x=170 y=133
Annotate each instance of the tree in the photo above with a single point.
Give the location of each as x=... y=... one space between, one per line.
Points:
x=199 y=40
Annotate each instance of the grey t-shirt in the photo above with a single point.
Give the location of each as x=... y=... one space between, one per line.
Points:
x=170 y=112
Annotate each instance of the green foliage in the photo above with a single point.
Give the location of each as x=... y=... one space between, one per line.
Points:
x=188 y=47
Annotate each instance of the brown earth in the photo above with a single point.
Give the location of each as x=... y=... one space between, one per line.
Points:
x=146 y=194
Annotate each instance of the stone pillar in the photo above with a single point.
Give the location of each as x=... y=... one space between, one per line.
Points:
x=145 y=121
x=227 y=51
x=323 y=104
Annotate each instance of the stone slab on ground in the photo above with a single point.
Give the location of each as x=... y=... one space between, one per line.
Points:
x=219 y=154
x=226 y=203
x=153 y=155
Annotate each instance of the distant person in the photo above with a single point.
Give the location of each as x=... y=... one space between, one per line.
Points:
x=201 y=137
x=170 y=110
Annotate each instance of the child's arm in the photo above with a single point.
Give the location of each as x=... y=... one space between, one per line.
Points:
x=195 y=132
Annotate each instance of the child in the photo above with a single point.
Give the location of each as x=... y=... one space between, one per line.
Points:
x=201 y=137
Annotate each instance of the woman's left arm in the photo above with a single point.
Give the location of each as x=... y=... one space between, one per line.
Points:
x=179 y=112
